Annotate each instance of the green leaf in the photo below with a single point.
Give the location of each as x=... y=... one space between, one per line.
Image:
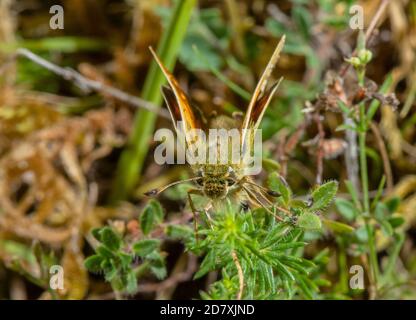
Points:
x=275 y=235
x=297 y=266
x=179 y=231
x=106 y=265
x=396 y=222
x=338 y=227
x=393 y=204
x=110 y=238
x=321 y=282
x=251 y=283
x=96 y=233
x=353 y=192
x=151 y=216
x=323 y=195
x=381 y=211
x=309 y=221
x=344 y=108
x=347 y=209
x=303 y=262
x=285 y=246
x=379 y=191
x=193 y=61
x=344 y=127
x=131 y=282
x=283 y=270
x=276 y=184
x=93 y=263
x=67 y=44
x=157 y=267
x=102 y=250
x=270 y=165
x=275 y=27
x=111 y=274
x=267 y=271
x=305 y=289
x=288 y=288
x=233 y=86
x=18 y=251
x=361 y=234
x=375 y=104
x=261 y=280
x=303 y=20
x=125 y=259
x=207 y=265
x=299 y=204
x=146 y=247
x=386 y=227
x=45 y=259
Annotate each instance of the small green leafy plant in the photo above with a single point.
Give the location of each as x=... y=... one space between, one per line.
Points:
x=257 y=254
x=123 y=261
x=368 y=216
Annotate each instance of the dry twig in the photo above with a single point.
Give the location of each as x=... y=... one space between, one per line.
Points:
x=88 y=85
x=384 y=156
x=240 y=275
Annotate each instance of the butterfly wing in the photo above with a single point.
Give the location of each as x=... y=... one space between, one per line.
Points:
x=261 y=96
x=180 y=109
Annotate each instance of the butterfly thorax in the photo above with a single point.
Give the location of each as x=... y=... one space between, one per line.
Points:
x=216 y=180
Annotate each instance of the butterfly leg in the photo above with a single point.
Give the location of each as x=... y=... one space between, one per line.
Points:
x=194 y=211
x=206 y=210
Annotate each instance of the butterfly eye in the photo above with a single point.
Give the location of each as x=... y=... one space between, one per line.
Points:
x=230 y=182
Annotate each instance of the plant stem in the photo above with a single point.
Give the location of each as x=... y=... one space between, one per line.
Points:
x=118 y=295
x=343 y=267
x=399 y=240
x=132 y=158
x=366 y=200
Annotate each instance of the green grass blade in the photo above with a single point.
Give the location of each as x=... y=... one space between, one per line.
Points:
x=131 y=162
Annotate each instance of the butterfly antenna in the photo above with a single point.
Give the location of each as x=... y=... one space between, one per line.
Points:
x=155 y=192
x=287 y=212
x=254 y=197
x=259 y=194
x=266 y=190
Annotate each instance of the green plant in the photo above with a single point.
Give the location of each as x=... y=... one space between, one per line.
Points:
x=368 y=215
x=33 y=263
x=259 y=255
x=123 y=260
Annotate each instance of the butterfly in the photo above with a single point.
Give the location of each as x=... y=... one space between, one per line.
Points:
x=217 y=181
